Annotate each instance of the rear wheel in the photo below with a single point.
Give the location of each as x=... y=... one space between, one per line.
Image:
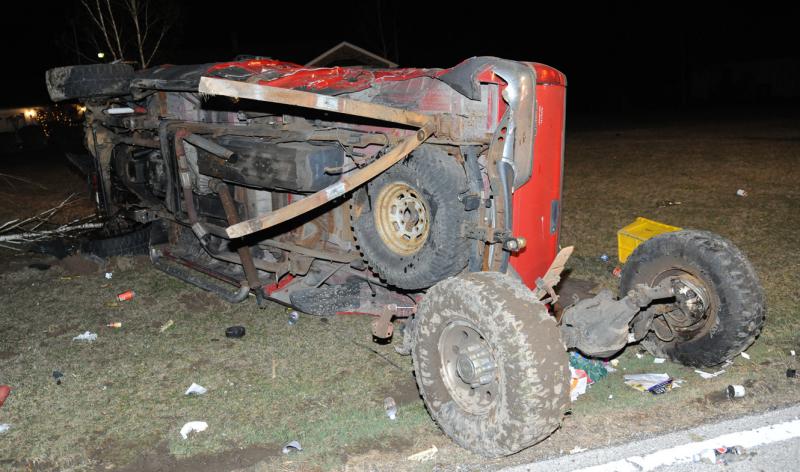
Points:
x=719 y=309
x=490 y=363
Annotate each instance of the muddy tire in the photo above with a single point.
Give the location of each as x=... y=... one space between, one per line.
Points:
x=427 y=246
x=88 y=81
x=719 y=277
x=490 y=363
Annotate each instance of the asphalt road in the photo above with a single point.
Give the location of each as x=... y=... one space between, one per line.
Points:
x=771 y=442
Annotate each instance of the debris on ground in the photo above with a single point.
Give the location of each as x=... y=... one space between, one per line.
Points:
x=617 y=272
x=4 y=427
x=741 y=192
x=707 y=375
x=391 y=408
x=5 y=390
x=604 y=257
x=745 y=355
x=652 y=383
x=291 y=445
x=595 y=369
x=792 y=353
x=125 y=296
x=659 y=360
x=790 y=373
x=114 y=324
x=728 y=454
x=667 y=203
x=234 y=332
x=195 y=389
x=579 y=380
x=720 y=455
x=735 y=391
x=293 y=317
x=577 y=449
x=87 y=336
x=57 y=376
x=193 y=427
x=424 y=456
x=109 y=275
x=639 y=355
x=166 y=326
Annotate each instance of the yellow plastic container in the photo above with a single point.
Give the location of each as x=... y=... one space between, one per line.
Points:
x=638 y=232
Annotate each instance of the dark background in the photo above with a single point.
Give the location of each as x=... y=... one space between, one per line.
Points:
x=619 y=57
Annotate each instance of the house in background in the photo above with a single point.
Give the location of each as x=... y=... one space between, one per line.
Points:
x=347 y=54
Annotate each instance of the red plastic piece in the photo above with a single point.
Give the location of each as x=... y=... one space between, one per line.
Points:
x=4 y=391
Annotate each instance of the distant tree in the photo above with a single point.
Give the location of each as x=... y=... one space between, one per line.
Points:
x=130 y=30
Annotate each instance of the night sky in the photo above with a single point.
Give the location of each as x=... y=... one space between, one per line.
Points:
x=617 y=56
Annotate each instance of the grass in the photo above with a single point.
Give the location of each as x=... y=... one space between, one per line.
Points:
x=121 y=403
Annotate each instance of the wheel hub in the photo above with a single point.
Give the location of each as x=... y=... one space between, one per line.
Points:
x=475 y=366
x=469 y=369
x=402 y=218
x=692 y=310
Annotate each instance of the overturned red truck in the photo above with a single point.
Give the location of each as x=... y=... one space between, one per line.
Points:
x=426 y=196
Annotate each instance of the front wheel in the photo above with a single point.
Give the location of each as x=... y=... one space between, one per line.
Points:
x=490 y=363
x=719 y=309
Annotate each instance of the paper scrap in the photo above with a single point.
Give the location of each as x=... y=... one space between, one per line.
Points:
x=659 y=360
x=746 y=355
x=707 y=375
x=87 y=336
x=195 y=389
x=423 y=456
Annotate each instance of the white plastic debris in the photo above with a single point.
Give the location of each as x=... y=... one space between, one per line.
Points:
x=741 y=192
x=578 y=383
x=192 y=427
x=639 y=355
x=391 y=408
x=577 y=449
x=610 y=397
x=287 y=448
x=109 y=275
x=195 y=389
x=792 y=352
x=659 y=360
x=424 y=456
x=746 y=355
x=87 y=336
x=645 y=382
x=4 y=427
x=707 y=375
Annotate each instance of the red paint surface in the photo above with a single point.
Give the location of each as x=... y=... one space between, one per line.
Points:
x=532 y=202
x=336 y=79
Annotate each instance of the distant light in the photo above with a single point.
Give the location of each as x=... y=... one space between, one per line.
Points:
x=30 y=113
x=81 y=108
x=101 y=55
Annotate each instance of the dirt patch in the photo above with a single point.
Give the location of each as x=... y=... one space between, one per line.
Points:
x=80 y=265
x=161 y=460
x=199 y=301
x=7 y=355
x=404 y=393
x=374 y=450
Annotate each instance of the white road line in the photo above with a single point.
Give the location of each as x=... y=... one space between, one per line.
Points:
x=685 y=452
